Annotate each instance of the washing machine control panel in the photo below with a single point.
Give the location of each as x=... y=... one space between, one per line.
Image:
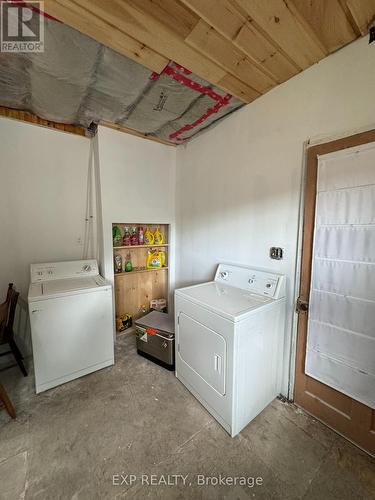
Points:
x=254 y=280
x=63 y=270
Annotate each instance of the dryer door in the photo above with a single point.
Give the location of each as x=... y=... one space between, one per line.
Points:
x=204 y=351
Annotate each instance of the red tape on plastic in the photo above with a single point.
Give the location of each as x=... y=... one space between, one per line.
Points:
x=202 y=89
x=184 y=80
x=201 y=119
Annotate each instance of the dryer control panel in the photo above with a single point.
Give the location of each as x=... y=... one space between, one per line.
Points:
x=257 y=281
x=63 y=270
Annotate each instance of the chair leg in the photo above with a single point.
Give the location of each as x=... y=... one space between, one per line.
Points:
x=17 y=354
x=7 y=402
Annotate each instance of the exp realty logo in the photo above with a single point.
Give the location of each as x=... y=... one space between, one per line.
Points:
x=22 y=26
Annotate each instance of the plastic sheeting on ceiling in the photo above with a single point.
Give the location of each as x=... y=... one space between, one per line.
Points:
x=78 y=81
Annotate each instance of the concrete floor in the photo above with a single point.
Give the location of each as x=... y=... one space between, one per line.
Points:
x=75 y=441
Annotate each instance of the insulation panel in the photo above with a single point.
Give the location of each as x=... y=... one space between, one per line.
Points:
x=77 y=80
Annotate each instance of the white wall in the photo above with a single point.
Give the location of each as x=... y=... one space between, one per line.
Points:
x=238 y=185
x=43 y=192
x=137 y=184
x=42 y=199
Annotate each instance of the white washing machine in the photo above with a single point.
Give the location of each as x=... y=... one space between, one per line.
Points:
x=229 y=342
x=70 y=307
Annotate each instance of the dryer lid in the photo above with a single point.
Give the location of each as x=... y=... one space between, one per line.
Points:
x=225 y=300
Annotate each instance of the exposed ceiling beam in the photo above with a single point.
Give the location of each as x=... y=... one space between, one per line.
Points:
x=16 y=114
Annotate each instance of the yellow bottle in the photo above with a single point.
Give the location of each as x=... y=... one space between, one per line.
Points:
x=158 y=237
x=162 y=255
x=149 y=237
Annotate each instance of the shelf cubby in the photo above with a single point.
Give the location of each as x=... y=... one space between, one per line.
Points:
x=135 y=289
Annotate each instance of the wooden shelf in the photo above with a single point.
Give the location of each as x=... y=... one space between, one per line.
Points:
x=141 y=271
x=135 y=289
x=129 y=247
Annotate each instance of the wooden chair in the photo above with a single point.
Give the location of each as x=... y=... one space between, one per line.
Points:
x=7 y=312
x=7 y=402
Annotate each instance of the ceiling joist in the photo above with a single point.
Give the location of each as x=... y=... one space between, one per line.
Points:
x=24 y=116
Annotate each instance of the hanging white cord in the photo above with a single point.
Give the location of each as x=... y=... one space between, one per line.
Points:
x=98 y=208
x=88 y=206
x=91 y=241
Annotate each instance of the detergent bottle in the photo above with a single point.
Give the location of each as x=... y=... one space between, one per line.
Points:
x=153 y=260
x=158 y=237
x=149 y=237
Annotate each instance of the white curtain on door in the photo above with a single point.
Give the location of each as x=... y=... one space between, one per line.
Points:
x=341 y=327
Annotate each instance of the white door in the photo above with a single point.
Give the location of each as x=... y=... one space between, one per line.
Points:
x=203 y=350
x=341 y=332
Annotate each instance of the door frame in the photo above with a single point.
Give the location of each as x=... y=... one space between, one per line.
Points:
x=308 y=194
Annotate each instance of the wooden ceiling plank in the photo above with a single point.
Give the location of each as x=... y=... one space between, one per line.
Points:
x=283 y=24
x=328 y=20
x=250 y=41
x=350 y=18
x=171 y=13
x=363 y=12
x=92 y=26
x=230 y=23
x=230 y=83
x=220 y=14
x=290 y=5
x=208 y=41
